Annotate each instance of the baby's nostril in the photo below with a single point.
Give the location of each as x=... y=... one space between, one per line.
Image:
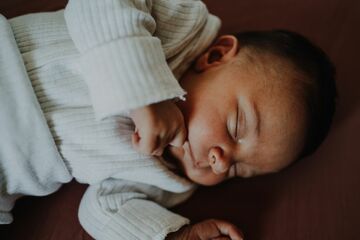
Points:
x=213 y=159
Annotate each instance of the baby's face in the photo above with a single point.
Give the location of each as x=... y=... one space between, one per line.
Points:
x=238 y=125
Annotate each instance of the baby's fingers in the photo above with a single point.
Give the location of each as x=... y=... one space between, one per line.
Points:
x=229 y=229
x=174 y=137
x=145 y=144
x=179 y=138
x=162 y=144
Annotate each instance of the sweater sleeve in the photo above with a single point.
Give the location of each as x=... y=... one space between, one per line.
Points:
x=116 y=209
x=124 y=65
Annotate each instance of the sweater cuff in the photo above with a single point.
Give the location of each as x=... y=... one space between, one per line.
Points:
x=6 y=205
x=137 y=219
x=5 y=217
x=126 y=74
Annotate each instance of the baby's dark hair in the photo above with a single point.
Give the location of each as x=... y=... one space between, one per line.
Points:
x=320 y=95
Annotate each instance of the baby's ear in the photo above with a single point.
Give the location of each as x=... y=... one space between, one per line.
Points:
x=221 y=51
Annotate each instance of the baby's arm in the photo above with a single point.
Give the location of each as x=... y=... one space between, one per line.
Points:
x=122 y=62
x=117 y=209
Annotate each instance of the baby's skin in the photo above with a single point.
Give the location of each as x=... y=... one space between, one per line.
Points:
x=157 y=126
x=240 y=119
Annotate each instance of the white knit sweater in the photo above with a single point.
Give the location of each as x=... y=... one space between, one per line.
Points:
x=87 y=70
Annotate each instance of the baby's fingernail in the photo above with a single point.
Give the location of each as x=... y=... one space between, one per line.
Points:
x=158 y=152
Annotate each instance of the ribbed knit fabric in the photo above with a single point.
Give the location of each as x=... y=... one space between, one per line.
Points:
x=29 y=160
x=120 y=34
x=105 y=58
x=127 y=210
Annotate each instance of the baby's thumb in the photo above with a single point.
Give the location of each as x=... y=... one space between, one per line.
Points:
x=179 y=138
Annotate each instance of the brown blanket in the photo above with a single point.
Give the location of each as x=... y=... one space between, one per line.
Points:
x=318 y=198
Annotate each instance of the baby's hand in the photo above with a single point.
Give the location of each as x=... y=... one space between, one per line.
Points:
x=158 y=125
x=208 y=229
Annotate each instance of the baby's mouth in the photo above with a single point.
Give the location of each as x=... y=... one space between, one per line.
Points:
x=188 y=155
x=182 y=156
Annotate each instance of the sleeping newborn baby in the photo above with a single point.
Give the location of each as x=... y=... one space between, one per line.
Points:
x=142 y=101
x=247 y=112
x=256 y=102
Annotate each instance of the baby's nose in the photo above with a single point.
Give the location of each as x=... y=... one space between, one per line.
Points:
x=218 y=161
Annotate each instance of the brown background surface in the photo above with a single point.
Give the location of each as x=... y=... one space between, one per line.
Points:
x=318 y=198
